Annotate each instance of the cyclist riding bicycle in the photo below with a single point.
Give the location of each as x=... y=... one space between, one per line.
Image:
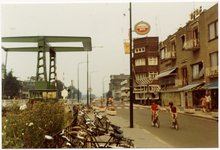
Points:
x=154 y=109
x=173 y=110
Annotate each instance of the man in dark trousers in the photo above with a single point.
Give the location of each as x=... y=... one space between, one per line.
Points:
x=107 y=101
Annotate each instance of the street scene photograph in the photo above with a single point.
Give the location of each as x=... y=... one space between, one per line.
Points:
x=109 y=74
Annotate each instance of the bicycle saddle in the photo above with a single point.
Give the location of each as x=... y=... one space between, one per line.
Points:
x=118 y=131
x=115 y=127
x=117 y=136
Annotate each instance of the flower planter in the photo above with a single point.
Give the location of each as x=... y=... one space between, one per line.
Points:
x=109 y=112
x=215 y=114
x=102 y=109
x=94 y=107
x=191 y=111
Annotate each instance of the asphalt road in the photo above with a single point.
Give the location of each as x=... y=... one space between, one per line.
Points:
x=193 y=132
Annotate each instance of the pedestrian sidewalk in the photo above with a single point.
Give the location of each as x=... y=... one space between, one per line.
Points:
x=198 y=113
x=142 y=138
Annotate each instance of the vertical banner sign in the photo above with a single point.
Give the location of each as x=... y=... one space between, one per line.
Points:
x=127 y=46
x=142 y=28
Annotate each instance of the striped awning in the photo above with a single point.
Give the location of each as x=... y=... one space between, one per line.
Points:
x=165 y=73
x=191 y=87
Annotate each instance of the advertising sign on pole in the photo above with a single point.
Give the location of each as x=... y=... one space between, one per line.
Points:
x=142 y=28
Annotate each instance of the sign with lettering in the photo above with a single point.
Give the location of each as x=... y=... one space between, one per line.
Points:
x=142 y=28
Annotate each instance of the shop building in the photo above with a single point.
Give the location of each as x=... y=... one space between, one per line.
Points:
x=145 y=68
x=189 y=60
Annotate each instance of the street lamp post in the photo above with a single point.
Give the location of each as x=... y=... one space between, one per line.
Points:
x=88 y=73
x=91 y=84
x=78 y=78
x=103 y=87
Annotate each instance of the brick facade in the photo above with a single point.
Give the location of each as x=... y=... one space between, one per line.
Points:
x=196 y=53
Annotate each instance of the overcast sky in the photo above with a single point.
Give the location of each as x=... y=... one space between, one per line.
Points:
x=106 y=23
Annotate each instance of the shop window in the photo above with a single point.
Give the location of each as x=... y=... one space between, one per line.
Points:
x=213 y=30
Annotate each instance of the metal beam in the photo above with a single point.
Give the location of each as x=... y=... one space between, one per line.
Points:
x=21 y=49
x=86 y=41
x=47 y=39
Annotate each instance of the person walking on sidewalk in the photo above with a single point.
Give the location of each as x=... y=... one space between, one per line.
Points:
x=173 y=110
x=101 y=100
x=107 y=101
x=203 y=99
x=208 y=101
x=112 y=101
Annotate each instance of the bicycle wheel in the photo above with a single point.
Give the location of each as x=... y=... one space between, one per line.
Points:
x=176 y=124
x=157 y=123
x=126 y=144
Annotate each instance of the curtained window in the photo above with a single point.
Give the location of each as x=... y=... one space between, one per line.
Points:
x=162 y=54
x=213 y=30
x=198 y=70
x=152 y=60
x=214 y=61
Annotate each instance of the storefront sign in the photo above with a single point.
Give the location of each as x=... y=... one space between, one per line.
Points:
x=142 y=28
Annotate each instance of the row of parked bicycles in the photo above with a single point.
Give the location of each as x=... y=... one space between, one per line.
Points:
x=84 y=132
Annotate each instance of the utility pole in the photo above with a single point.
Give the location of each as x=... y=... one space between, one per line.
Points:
x=131 y=77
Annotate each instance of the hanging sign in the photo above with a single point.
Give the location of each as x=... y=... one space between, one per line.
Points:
x=142 y=28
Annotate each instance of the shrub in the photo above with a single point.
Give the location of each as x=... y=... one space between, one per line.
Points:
x=27 y=128
x=215 y=110
x=188 y=107
x=111 y=108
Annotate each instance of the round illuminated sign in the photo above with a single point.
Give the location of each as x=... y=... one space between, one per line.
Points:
x=142 y=28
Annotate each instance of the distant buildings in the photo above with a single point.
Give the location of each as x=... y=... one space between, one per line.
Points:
x=115 y=85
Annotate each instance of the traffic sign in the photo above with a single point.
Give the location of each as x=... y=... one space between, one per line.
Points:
x=90 y=89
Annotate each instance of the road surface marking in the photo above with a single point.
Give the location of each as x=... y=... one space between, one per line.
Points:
x=165 y=143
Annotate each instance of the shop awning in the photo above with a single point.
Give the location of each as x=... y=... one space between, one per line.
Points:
x=191 y=87
x=213 y=85
x=165 y=73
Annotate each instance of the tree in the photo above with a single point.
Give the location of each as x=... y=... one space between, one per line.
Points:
x=12 y=86
x=75 y=92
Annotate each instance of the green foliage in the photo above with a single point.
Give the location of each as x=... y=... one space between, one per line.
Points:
x=75 y=92
x=12 y=85
x=27 y=128
x=60 y=88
